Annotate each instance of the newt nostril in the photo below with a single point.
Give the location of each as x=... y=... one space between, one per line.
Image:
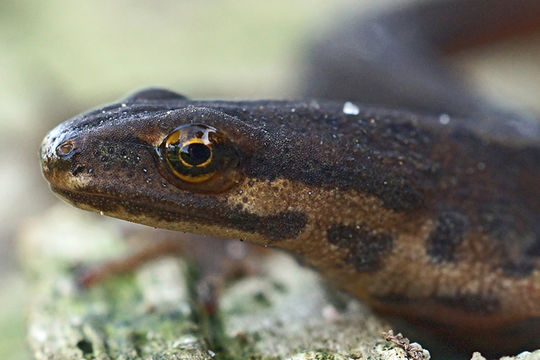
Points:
x=65 y=149
x=77 y=169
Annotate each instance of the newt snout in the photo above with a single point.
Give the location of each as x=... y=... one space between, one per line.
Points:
x=59 y=157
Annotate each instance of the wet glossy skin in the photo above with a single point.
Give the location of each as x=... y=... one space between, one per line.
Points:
x=426 y=217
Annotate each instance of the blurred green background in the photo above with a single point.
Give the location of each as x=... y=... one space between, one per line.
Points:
x=58 y=58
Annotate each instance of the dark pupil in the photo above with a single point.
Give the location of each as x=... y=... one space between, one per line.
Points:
x=195 y=154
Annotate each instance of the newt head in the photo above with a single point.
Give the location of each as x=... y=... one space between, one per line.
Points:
x=161 y=160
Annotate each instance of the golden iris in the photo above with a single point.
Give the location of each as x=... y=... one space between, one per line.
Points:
x=198 y=153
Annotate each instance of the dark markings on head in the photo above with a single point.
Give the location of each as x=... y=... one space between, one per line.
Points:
x=364 y=248
x=284 y=225
x=446 y=237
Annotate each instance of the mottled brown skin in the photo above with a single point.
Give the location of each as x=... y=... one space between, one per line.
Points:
x=425 y=220
x=432 y=218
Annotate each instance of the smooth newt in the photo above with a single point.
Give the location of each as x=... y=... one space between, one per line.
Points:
x=433 y=218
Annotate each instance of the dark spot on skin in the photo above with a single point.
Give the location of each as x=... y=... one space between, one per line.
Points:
x=364 y=248
x=104 y=158
x=446 y=237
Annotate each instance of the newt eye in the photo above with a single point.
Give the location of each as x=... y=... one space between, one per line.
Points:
x=201 y=157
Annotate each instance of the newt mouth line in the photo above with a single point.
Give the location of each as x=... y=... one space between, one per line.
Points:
x=276 y=227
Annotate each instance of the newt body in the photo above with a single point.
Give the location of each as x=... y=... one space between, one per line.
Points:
x=426 y=217
x=418 y=217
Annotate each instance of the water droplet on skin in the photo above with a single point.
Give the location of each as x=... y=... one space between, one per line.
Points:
x=444 y=119
x=101 y=213
x=124 y=105
x=350 y=109
x=144 y=170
